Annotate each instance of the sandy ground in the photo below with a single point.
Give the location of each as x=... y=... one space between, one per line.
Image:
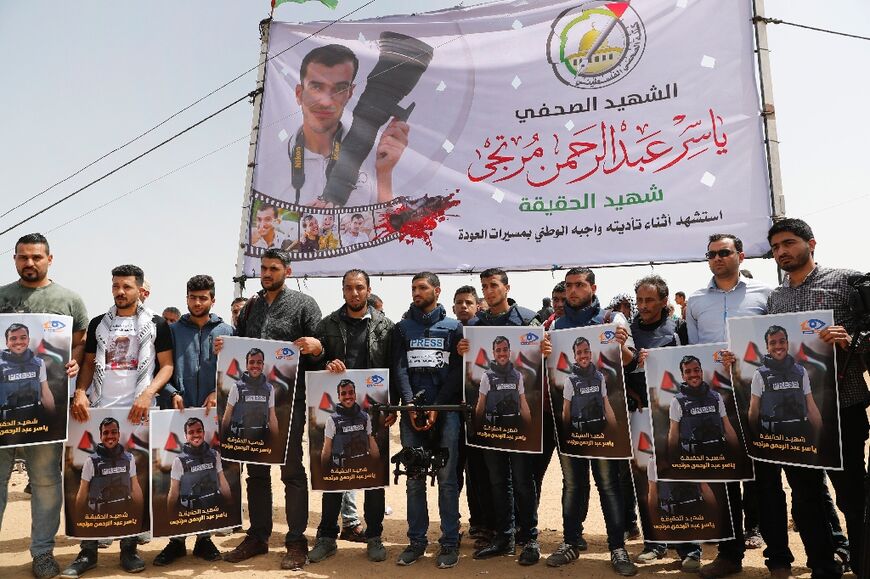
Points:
x=350 y=561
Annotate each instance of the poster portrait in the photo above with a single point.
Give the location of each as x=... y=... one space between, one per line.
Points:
x=192 y=489
x=787 y=380
x=255 y=383
x=675 y=511
x=503 y=379
x=696 y=430
x=34 y=351
x=585 y=377
x=346 y=449
x=106 y=473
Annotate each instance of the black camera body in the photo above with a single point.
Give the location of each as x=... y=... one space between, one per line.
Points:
x=419 y=462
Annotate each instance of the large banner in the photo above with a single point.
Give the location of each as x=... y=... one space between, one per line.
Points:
x=346 y=449
x=34 y=351
x=632 y=130
x=787 y=380
x=587 y=391
x=106 y=473
x=503 y=384
x=695 y=419
x=255 y=384
x=192 y=489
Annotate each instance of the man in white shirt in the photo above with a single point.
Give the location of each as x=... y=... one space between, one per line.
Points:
x=354 y=233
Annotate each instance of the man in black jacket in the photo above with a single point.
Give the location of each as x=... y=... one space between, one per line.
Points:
x=355 y=336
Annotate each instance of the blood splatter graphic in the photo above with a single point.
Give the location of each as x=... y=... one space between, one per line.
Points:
x=416 y=219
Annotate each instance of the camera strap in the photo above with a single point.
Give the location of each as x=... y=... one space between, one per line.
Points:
x=296 y=150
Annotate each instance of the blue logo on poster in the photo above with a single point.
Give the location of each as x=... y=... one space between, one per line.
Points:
x=374 y=380
x=284 y=353
x=53 y=326
x=812 y=326
x=607 y=336
x=529 y=339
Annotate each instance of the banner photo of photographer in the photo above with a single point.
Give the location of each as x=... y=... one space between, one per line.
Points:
x=346 y=449
x=192 y=489
x=587 y=392
x=675 y=511
x=503 y=379
x=255 y=384
x=695 y=419
x=106 y=473
x=787 y=380
x=34 y=351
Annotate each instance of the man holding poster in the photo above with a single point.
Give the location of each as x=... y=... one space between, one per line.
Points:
x=35 y=292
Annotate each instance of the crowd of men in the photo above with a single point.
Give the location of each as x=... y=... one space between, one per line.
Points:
x=176 y=366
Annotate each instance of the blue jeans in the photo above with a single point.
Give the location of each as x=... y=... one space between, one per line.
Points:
x=43 y=469
x=575 y=498
x=448 y=490
x=512 y=484
x=349 y=514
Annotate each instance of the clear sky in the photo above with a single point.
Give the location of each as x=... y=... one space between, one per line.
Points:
x=80 y=78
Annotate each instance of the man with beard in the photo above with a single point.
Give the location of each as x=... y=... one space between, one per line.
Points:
x=425 y=361
x=805 y=287
x=197 y=479
x=699 y=425
x=279 y=313
x=511 y=474
x=585 y=407
x=24 y=390
x=355 y=336
x=122 y=386
x=250 y=413
x=35 y=292
x=782 y=401
x=582 y=308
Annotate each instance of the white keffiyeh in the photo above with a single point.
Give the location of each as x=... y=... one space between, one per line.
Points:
x=146 y=332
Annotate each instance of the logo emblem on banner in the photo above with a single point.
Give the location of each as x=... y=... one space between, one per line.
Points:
x=528 y=339
x=812 y=326
x=607 y=337
x=596 y=43
x=374 y=380
x=53 y=326
x=283 y=354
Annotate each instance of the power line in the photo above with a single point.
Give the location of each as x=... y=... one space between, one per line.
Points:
x=131 y=161
x=825 y=30
x=180 y=111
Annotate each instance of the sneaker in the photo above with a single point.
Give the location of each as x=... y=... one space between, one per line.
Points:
x=353 y=534
x=205 y=549
x=531 y=553
x=621 y=563
x=324 y=548
x=296 y=556
x=753 y=539
x=144 y=538
x=410 y=555
x=447 y=557
x=649 y=555
x=720 y=567
x=131 y=562
x=632 y=533
x=104 y=543
x=248 y=548
x=690 y=564
x=375 y=550
x=85 y=560
x=563 y=555
x=171 y=552
x=44 y=566
x=501 y=545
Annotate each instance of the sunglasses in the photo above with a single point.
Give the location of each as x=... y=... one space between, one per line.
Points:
x=720 y=253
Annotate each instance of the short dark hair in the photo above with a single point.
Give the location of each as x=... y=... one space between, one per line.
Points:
x=191 y=421
x=373 y=300
x=546 y=302
x=495 y=272
x=431 y=278
x=499 y=340
x=254 y=352
x=580 y=340
x=15 y=327
x=308 y=219
x=465 y=289
x=355 y=215
x=655 y=281
x=344 y=382
x=738 y=243
x=109 y=420
x=356 y=272
x=559 y=288
x=791 y=225
x=32 y=238
x=130 y=270
x=774 y=330
x=587 y=274
x=172 y=310
x=686 y=360
x=266 y=207
x=201 y=282
x=680 y=294
x=237 y=300
x=329 y=55
x=275 y=253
